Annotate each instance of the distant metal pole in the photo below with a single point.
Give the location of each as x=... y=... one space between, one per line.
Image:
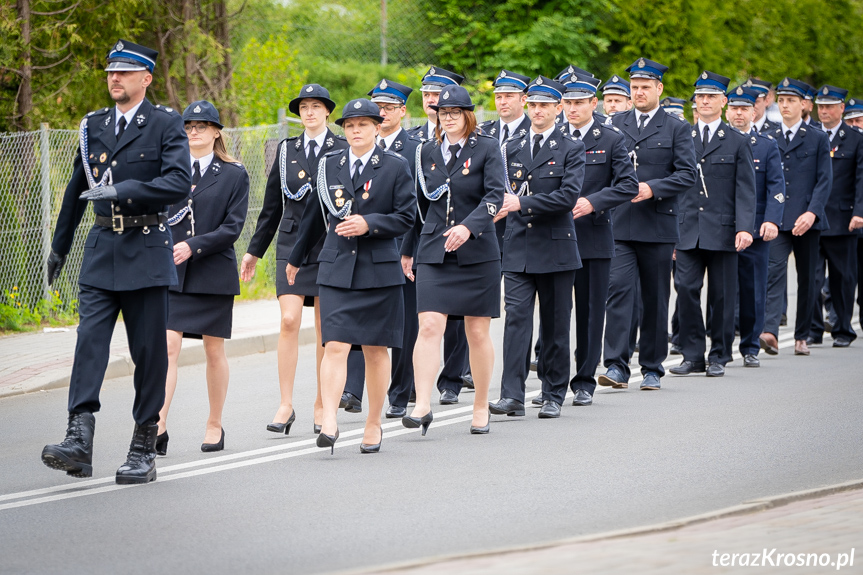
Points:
x=45 y=151
x=383 y=32
x=283 y=124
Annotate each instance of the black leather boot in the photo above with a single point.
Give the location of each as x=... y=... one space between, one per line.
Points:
x=75 y=454
x=140 y=466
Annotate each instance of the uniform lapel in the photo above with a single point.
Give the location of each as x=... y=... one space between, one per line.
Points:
x=464 y=155
x=209 y=178
x=369 y=169
x=630 y=125
x=437 y=158
x=107 y=136
x=546 y=151
x=302 y=160
x=345 y=172
x=798 y=137
x=717 y=139
x=133 y=129
x=591 y=137
x=652 y=126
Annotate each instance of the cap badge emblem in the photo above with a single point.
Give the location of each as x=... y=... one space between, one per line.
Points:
x=358 y=105
x=119 y=47
x=748 y=83
x=197 y=109
x=432 y=71
x=502 y=74
x=826 y=90
x=571 y=70
x=383 y=84
x=641 y=63
x=446 y=95
x=539 y=81
x=739 y=91
x=850 y=102
x=615 y=79
x=309 y=89
x=704 y=75
x=785 y=82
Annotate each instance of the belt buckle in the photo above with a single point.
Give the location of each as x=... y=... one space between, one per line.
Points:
x=114 y=227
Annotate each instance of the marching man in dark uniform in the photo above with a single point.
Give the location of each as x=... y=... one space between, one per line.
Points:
x=761 y=123
x=844 y=211
x=854 y=118
x=391 y=98
x=545 y=171
x=132 y=163
x=509 y=101
x=615 y=96
x=808 y=181
x=769 y=206
x=646 y=228
x=717 y=217
x=609 y=180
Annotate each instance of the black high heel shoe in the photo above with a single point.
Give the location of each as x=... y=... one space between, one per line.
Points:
x=372 y=447
x=481 y=430
x=283 y=427
x=317 y=428
x=208 y=447
x=325 y=440
x=162 y=443
x=414 y=422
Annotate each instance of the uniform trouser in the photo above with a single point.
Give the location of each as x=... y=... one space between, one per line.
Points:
x=456 y=361
x=402 y=372
x=860 y=277
x=555 y=310
x=839 y=255
x=805 y=250
x=651 y=264
x=591 y=293
x=637 y=314
x=145 y=316
x=752 y=293
x=721 y=268
x=356 y=380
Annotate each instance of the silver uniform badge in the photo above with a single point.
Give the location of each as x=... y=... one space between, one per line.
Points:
x=329 y=142
x=342 y=161
x=197 y=109
x=779 y=198
x=694 y=133
x=841 y=133
x=119 y=47
x=552 y=144
x=492 y=209
x=383 y=84
x=140 y=119
x=704 y=75
x=446 y=96
x=596 y=132
x=358 y=105
x=298 y=144
x=375 y=159
x=309 y=89
x=721 y=133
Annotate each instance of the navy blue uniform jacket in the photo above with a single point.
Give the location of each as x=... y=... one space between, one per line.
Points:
x=666 y=162
x=540 y=237
x=282 y=213
x=710 y=220
x=609 y=180
x=476 y=197
x=808 y=175
x=151 y=171
x=372 y=260
x=769 y=181
x=846 y=197
x=219 y=203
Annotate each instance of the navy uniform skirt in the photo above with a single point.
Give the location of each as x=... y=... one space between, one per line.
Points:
x=199 y=314
x=363 y=316
x=458 y=291
x=305 y=284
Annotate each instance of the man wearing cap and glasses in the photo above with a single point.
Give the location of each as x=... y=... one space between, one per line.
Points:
x=770 y=204
x=132 y=164
x=646 y=229
x=456 y=368
x=808 y=179
x=717 y=218
x=844 y=211
x=545 y=170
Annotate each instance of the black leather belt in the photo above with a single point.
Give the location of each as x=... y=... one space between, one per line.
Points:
x=119 y=223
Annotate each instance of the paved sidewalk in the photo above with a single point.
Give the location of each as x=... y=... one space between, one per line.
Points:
x=43 y=360
x=824 y=528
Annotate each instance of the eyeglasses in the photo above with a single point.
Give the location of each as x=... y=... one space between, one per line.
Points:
x=390 y=109
x=454 y=113
x=199 y=128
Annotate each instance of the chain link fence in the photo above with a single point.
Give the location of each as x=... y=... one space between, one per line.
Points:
x=34 y=170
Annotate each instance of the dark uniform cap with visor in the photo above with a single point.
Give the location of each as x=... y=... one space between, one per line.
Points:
x=128 y=57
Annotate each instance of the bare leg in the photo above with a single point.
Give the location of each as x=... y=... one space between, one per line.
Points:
x=334 y=372
x=287 y=350
x=217 y=385
x=377 y=382
x=481 y=365
x=427 y=359
x=319 y=356
x=175 y=343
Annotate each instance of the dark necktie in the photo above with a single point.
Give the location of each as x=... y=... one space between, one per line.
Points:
x=121 y=127
x=642 y=121
x=705 y=139
x=537 y=144
x=313 y=156
x=358 y=167
x=505 y=132
x=787 y=137
x=832 y=133
x=382 y=144
x=196 y=173
x=576 y=133
x=453 y=150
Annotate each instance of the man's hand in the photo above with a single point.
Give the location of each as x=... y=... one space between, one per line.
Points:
x=247 y=267
x=407 y=267
x=456 y=237
x=769 y=231
x=100 y=193
x=501 y=214
x=182 y=252
x=511 y=203
x=291 y=272
x=803 y=223
x=644 y=193
x=742 y=241
x=582 y=207
x=856 y=223
x=54 y=264
x=353 y=225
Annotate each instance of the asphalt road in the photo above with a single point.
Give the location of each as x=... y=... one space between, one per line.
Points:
x=279 y=504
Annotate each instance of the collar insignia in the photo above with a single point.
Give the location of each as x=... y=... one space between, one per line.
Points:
x=596 y=132
x=298 y=144
x=343 y=160
x=694 y=134
x=552 y=144
x=523 y=142
x=329 y=142
x=754 y=139
x=841 y=133
x=140 y=119
x=375 y=159
x=522 y=132
x=721 y=133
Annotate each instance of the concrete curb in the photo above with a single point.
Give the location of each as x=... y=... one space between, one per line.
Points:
x=192 y=354
x=745 y=508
